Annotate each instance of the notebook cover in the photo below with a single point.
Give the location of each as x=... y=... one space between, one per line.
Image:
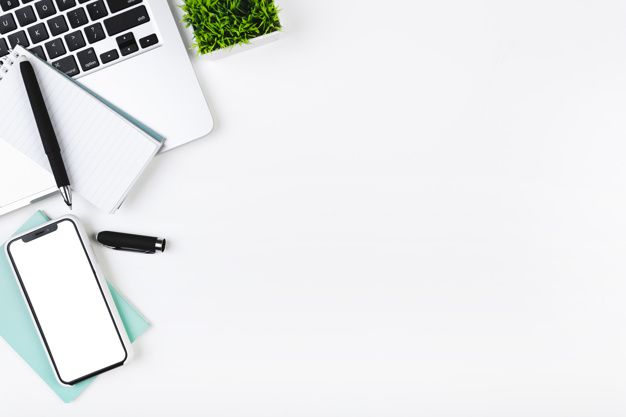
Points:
x=17 y=328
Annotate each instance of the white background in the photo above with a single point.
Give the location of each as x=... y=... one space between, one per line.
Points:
x=406 y=209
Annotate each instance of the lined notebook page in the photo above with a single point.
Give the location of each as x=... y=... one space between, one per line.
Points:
x=104 y=153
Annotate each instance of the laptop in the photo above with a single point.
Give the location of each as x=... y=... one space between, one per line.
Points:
x=127 y=51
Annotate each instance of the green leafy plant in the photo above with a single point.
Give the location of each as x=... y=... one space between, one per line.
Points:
x=219 y=24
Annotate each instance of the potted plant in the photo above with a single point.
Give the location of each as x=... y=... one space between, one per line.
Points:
x=222 y=26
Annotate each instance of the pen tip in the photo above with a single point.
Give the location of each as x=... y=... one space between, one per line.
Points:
x=66 y=192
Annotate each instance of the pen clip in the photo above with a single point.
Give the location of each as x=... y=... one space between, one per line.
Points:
x=127 y=249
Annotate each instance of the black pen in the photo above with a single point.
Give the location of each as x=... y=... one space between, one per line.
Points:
x=46 y=131
x=130 y=242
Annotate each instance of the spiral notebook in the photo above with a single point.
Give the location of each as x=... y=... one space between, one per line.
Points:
x=104 y=152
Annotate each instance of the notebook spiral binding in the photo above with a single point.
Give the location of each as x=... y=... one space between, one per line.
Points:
x=8 y=61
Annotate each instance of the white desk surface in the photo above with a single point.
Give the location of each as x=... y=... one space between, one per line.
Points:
x=407 y=209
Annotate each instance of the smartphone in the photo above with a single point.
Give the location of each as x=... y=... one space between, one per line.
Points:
x=68 y=300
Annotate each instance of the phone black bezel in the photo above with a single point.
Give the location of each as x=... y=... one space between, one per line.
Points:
x=42 y=231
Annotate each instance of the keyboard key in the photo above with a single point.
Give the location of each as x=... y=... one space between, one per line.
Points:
x=77 y=18
x=7 y=24
x=127 y=20
x=127 y=44
x=45 y=8
x=74 y=40
x=129 y=49
x=55 y=48
x=117 y=5
x=38 y=33
x=38 y=52
x=88 y=59
x=109 y=56
x=57 y=25
x=94 y=33
x=18 y=38
x=97 y=10
x=148 y=41
x=125 y=38
x=9 y=4
x=64 y=5
x=4 y=48
x=25 y=16
x=67 y=65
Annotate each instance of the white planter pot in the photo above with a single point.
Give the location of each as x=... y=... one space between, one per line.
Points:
x=187 y=34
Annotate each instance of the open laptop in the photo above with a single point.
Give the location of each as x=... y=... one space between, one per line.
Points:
x=128 y=51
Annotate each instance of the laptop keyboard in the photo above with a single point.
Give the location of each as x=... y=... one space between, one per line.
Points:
x=78 y=37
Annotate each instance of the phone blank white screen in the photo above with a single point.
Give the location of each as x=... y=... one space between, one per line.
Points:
x=68 y=303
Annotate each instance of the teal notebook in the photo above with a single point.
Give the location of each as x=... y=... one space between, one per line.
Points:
x=17 y=328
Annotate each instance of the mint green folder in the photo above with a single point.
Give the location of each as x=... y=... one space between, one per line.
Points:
x=17 y=328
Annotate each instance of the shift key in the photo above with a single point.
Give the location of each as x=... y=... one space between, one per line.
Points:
x=127 y=20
